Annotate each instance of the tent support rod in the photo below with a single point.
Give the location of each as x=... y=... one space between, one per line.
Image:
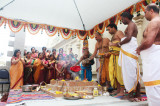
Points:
x=79 y=15
x=6 y=5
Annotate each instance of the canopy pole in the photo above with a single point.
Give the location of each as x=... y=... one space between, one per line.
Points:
x=6 y=5
x=79 y=15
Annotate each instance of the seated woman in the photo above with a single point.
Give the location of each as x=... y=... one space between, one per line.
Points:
x=51 y=73
x=60 y=67
x=40 y=73
x=16 y=70
x=28 y=69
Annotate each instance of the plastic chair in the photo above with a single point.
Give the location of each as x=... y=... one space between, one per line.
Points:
x=4 y=74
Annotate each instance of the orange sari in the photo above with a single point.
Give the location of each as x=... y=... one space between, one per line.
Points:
x=104 y=69
x=38 y=67
x=16 y=75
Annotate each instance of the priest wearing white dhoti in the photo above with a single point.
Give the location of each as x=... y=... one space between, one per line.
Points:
x=128 y=59
x=150 y=54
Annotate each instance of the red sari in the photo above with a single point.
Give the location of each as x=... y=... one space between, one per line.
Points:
x=51 y=73
x=16 y=74
x=60 y=67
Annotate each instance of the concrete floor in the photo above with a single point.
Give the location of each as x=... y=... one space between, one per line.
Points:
x=97 y=101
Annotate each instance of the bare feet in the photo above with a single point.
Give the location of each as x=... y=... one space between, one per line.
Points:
x=114 y=92
x=120 y=94
x=125 y=97
x=131 y=99
x=137 y=99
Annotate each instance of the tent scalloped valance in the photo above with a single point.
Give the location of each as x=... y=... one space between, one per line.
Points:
x=50 y=30
x=16 y=25
x=65 y=33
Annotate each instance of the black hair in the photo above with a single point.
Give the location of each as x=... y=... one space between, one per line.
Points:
x=153 y=7
x=32 y=48
x=44 y=48
x=53 y=50
x=54 y=58
x=127 y=14
x=60 y=55
x=28 y=52
x=15 y=52
x=112 y=26
x=36 y=50
x=47 y=50
x=60 y=49
x=99 y=33
x=39 y=54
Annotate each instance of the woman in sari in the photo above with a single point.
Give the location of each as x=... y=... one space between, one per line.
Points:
x=34 y=55
x=60 y=67
x=28 y=70
x=16 y=70
x=61 y=52
x=54 y=53
x=51 y=73
x=40 y=72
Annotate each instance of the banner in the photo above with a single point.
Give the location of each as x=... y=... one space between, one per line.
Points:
x=1 y=21
x=91 y=33
x=15 y=26
x=33 y=28
x=50 y=30
x=81 y=34
x=66 y=33
x=101 y=27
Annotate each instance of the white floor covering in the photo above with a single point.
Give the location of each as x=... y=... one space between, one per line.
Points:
x=97 y=101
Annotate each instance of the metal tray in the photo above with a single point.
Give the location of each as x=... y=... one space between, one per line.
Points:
x=71 y=98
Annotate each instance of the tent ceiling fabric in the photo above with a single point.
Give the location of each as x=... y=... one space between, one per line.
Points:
x=63 y=13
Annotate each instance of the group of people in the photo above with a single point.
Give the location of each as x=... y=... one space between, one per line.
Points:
x=35 y=68
x=118 y=57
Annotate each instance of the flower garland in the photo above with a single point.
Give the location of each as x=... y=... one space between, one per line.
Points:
x=15 y=26
x=34 y=28
x=50 y=30
x=66 y=33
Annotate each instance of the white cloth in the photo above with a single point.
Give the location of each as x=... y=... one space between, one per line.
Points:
x=153 y=95
x=151 y=72
x=97 y=66
x=151 y=63
x=129 y=65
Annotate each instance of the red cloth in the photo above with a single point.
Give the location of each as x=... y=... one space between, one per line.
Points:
x=75 y=68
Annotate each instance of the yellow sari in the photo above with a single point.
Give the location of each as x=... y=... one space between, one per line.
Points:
x=114 y=69
x=16 y=75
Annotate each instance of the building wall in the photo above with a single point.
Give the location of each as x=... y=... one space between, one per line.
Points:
x=18 y=43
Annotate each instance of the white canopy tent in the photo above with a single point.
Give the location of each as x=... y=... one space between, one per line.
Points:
x=63 y=13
